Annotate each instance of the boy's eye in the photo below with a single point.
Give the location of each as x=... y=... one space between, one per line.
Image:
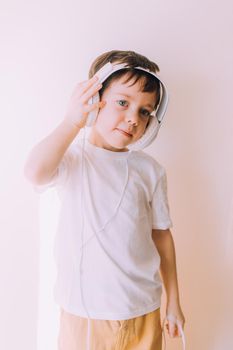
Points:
x=122 y=102
x=145 y=112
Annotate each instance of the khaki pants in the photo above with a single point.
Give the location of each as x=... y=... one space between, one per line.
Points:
x=139 y=333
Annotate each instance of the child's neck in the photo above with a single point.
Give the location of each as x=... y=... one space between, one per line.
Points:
x=96 y=139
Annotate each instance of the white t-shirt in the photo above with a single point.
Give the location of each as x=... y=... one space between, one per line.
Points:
x=116 y=274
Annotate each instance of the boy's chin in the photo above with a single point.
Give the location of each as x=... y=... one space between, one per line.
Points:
x=112 y=140
x=117 y=146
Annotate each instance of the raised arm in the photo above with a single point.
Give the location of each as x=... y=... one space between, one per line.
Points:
x=45 y=156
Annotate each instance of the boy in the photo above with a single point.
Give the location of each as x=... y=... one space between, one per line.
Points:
x=114 y=231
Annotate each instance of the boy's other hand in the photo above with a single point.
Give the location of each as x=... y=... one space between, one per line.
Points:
x=78 y=107
x=175 y=310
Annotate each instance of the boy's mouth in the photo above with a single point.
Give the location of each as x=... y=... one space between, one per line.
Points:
x=124 y=132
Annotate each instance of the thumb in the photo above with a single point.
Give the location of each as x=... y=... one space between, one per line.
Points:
x=95 y=105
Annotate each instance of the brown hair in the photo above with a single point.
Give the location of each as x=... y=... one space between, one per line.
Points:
x=132 y=60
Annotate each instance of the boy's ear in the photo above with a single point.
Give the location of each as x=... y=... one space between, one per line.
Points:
x=102 y=103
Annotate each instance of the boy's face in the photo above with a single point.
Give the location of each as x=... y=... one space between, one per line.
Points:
x=124 y=117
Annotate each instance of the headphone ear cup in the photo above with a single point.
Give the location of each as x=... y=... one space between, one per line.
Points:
x=148 y=136
x=93 y=114
x=103 y=73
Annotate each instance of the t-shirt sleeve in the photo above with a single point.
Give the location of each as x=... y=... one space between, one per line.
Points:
x=160 y=207
x=61 y=175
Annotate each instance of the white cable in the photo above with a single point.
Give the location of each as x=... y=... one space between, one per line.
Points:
x=115 y=210
x=179 y=325
x=80 y=269
x=95 y=232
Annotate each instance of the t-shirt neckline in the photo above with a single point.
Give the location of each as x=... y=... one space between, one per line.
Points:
x=103 y=152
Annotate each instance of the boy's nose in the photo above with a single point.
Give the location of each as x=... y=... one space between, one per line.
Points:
x=132 y=118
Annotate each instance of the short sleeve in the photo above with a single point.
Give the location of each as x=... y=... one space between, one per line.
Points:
x=160 y=207
x=61 y=175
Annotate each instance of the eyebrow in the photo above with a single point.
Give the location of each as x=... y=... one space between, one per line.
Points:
x=121 y=94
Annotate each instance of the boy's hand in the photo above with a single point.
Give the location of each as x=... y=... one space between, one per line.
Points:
x=176 y=312
x=78 y=107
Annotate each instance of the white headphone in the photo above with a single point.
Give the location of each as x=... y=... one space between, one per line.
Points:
x=154 y=121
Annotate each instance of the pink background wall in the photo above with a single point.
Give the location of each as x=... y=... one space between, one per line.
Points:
x=46 y=48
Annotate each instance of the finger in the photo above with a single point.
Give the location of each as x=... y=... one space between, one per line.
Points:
x=88 y=83
x=83 y=86
x=91 y=92
x=172 y=329
x=88 y=108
